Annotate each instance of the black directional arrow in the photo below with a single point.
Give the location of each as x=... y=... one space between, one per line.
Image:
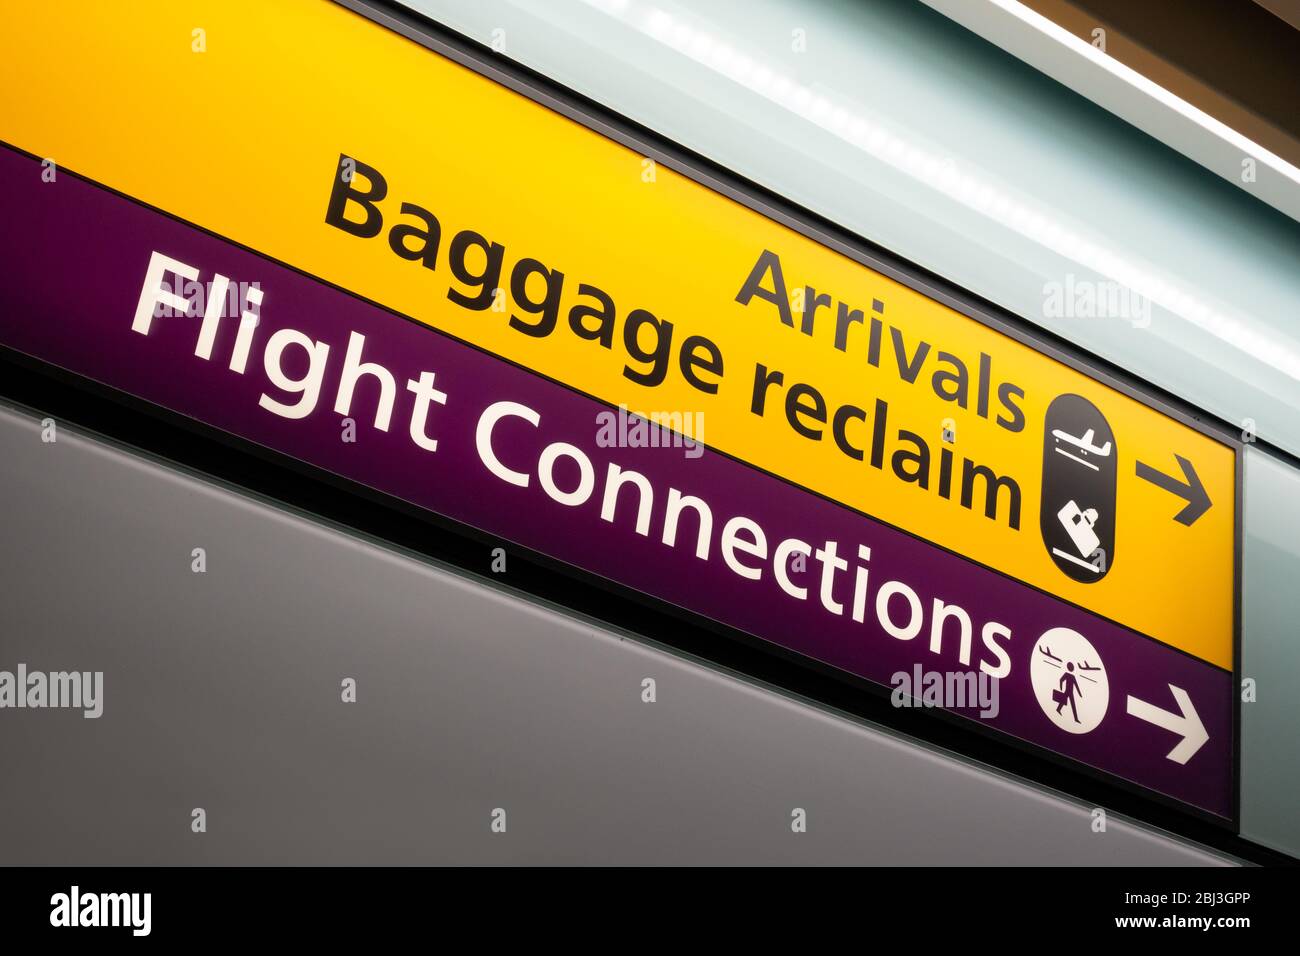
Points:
x=1191 y=490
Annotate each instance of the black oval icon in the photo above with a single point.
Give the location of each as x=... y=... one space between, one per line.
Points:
x=1077 y=515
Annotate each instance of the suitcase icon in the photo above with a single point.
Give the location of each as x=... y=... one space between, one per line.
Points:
x=1078 y=525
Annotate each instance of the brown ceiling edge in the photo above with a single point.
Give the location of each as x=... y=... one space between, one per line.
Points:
x=1182 y=84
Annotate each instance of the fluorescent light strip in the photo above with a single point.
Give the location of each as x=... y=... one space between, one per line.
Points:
x=939 y=172
x=1152 y=89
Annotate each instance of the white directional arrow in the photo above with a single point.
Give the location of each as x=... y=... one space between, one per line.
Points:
x=1187 y=724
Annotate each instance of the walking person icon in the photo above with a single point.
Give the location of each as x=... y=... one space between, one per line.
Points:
x=1065 y=668
x=1068 y=688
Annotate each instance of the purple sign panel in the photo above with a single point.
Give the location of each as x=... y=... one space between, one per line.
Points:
x=123 y=295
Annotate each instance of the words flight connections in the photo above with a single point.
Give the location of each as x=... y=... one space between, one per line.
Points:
x=304 y=374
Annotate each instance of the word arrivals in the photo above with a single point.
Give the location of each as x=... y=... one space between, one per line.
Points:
x=953 y=690
x=948 y=375
x=75 y=690
x=75 y=908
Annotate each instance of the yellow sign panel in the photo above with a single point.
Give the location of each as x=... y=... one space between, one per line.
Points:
x=310 y=134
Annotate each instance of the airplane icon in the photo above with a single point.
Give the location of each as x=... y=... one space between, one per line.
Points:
x=1083 y=444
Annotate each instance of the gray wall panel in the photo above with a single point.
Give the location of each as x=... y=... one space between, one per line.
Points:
x=1270 y=652
x=222 y=692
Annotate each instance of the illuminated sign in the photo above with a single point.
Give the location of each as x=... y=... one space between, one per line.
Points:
x=432 y=190
x=229 y=338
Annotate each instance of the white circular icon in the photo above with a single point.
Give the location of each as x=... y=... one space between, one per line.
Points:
x=1069 y=680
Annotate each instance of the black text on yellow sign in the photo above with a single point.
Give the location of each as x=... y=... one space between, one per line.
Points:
x=487 y=215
